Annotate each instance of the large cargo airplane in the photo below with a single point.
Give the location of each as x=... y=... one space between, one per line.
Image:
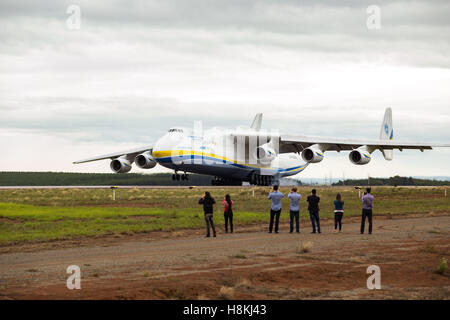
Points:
x=251 y=154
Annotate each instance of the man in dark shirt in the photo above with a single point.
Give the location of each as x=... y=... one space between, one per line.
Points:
x=207 y=201
x=313 y=208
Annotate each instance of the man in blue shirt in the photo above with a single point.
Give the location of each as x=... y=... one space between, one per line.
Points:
x=367 y=202
x=275 y=208
x=294 y=210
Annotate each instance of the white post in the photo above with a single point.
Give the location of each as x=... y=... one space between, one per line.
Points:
x=445 y=191
x=114 y=194
x=359 y=193
x=253 y=192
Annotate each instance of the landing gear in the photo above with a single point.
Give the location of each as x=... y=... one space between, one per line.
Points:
x=260 y=180
x=217 y=181
x=177 y=177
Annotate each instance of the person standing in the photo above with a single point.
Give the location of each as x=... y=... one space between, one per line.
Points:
x=208 y=202
x=294 y=210
x=367 y=206
x=275 y=208
x=338 y=212
x=228 y=212
x=313 y=208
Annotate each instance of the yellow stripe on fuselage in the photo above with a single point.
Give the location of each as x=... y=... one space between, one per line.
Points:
x=175 y=153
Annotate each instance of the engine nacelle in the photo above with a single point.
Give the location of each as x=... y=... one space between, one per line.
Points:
x=145 y=160
x=265 y=153
x=312 y=155
x=120 y=165
x=360 y=156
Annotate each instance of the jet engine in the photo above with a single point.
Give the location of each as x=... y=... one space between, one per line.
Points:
x=312 y=154
x=265 y=153
x=145 y=160
x=120 y=165
x=360 y=156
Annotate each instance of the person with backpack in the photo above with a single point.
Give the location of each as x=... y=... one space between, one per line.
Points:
x=208 y=202
x=228 y=212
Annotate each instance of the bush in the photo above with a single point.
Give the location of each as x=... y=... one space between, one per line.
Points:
x=442 y=268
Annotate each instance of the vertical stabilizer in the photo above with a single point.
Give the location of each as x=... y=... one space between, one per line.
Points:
x=256 y=124
x=387 y=133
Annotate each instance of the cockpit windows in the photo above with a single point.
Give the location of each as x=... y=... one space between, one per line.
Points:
x=175 y=130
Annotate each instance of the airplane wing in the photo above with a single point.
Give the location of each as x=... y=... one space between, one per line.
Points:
x=129 y=154
x=296 y=143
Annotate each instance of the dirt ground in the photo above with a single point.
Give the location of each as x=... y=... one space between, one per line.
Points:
x=248 y=264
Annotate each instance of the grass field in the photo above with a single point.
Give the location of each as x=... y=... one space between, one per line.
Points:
x=51 y=214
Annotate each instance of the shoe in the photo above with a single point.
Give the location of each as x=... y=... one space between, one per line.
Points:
x=370 y=232
x=214 y=235
x=313 y=232
x=298 y=231
x=318 y=232
x=207 y=236
x=276 y=231
x=270 y=231
x=290 y=231
x=362 y=232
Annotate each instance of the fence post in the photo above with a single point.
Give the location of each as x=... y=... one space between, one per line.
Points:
x=114 y=192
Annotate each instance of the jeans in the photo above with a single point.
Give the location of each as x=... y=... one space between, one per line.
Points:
x=314 y=215
x=276 y=215
x=338 y=220
x=209 y=221
x=228 y=217
x=294 y=214
x=366 y=213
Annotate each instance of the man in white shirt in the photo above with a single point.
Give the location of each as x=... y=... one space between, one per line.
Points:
x=294 y=210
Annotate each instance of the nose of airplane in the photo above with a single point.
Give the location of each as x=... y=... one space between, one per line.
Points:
x=162 y=148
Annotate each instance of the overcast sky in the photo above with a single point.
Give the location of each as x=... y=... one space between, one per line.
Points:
x=135 y=68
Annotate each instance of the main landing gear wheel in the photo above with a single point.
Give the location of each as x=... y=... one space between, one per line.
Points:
x=259 y=180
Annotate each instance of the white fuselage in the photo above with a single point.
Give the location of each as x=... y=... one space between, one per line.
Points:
x=216 y=152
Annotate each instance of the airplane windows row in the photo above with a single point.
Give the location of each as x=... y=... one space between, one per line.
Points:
x=175 y=130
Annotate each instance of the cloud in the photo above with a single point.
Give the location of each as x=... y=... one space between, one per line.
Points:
x=136 y=68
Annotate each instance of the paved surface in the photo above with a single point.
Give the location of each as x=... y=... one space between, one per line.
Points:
x=193 y=255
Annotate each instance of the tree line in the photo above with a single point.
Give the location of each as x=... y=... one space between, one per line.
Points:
x=96 y=179
x=392 y=181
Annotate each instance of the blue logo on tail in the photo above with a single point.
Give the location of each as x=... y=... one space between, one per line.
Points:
x=386 y=128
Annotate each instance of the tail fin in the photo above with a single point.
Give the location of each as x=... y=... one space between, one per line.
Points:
x=387 y=133
x=256 y=124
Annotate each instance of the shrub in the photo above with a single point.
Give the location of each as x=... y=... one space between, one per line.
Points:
x=226 y=293
x=442 y=268
x=305 y=247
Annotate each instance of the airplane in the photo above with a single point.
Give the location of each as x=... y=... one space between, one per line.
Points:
x=251 y=154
